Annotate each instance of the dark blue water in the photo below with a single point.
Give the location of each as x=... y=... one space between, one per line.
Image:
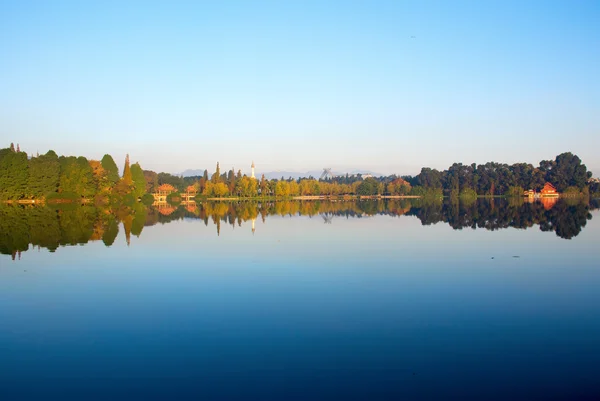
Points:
x=376 y=308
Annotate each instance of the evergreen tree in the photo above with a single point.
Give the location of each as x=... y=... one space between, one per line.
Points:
x=44 y=173
x=263 y=185
x=216 y=177
x=14 y=174
x=76 y=176
x=127 y=178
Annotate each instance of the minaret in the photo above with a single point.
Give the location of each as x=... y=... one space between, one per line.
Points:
x=253 y=169
x=253 y=228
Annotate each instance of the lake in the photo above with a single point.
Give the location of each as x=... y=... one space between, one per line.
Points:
x=368 y=300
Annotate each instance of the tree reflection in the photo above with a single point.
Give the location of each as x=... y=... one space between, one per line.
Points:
x=22 y=227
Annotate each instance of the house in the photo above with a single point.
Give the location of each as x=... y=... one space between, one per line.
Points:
x=549 y=191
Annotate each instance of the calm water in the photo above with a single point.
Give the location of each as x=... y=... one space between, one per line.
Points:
x=349 y=301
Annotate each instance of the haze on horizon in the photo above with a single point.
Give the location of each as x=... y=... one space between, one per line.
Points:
x=385 y=86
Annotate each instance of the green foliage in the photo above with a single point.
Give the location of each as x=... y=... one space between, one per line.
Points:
x=111 y=230
x=14 y=174
x=139 y=219
x=129 y=200
x=166 y=178
x=368 y=187
x=76 y=176
x=44 y=172
x=174 y=198
x=139 y=181
x=568 y=171
x=147 y=199
x=112 y=171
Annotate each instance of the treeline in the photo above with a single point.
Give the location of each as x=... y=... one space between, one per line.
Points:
x=566 y=172
x=232 y=184
x=50 y=177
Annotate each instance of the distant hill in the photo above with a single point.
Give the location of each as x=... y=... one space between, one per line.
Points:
x=269 y=175
x=192 y=173
x=315 y=173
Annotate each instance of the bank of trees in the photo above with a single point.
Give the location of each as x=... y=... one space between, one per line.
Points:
x=67 y=178
x=564 y=172
x=50 y=176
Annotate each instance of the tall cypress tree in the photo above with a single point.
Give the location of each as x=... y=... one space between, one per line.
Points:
x=127 y=177
x=217 y=175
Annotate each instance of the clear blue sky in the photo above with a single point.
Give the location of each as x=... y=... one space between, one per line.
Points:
x=302 y=85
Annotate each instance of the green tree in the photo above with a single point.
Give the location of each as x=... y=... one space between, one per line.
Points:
x=44 y=173
x=139 y=181
x=368 y=187
x=568 y=171
x=76 y=176
x=14 y=174
x=112 y=171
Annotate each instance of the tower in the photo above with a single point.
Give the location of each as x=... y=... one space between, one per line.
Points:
x=253 y=169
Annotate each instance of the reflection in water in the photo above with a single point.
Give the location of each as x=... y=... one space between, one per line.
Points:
x=46 y=227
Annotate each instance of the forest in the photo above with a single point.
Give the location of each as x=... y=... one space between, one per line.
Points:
x=54 y=178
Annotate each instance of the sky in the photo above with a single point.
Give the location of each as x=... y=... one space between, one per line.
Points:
x=386 y=86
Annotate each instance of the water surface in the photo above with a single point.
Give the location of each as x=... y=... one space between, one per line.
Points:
x=369 y=300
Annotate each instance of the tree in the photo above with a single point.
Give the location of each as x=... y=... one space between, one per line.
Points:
x=368 y=187
x=76 y=176
x=282 y=188
x=216 y=177
x=220 y=189
x=127 y=178
x=44 y=172
x=263 y=185
x=14 y=174
x=568 y=171
x=100 y=176
x=139 y=181
x=112 y=171
x=231 y=180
